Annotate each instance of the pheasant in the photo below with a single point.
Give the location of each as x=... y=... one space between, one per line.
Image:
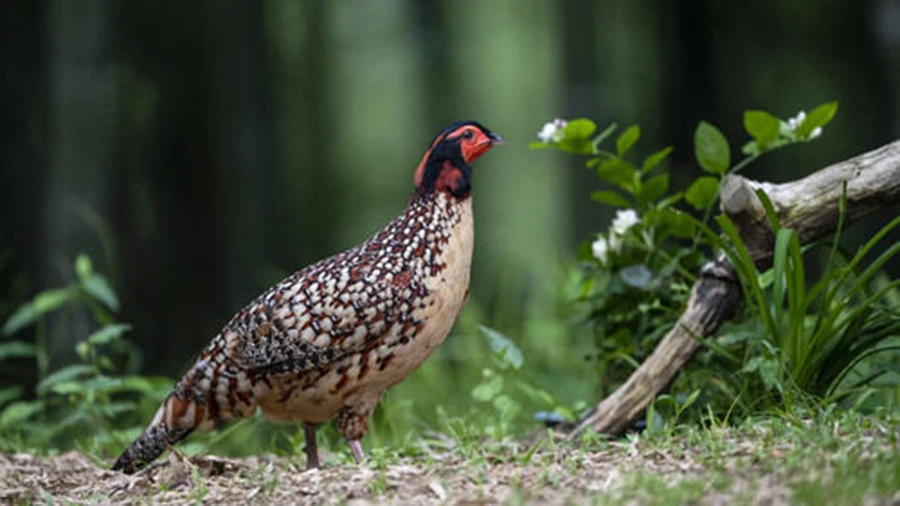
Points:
x=329 y=340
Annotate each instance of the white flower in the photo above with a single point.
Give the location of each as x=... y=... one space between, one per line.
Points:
x=624 y=220
x=815 y=133
x=615 y=243
x=552 y=131
x=797 y=120
x=600 y=249
x=546 y=133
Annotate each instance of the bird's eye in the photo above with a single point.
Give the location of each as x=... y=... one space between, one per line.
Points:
x=468 y=134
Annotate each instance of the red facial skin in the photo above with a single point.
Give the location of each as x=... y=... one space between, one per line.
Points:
x=473 y=147
x=473 y=143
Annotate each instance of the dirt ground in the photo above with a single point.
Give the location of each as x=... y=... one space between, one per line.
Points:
x=72 y=477
x=546 y=478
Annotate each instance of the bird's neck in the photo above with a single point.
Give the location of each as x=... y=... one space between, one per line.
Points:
x=452 y=176
x=436 y=207
x=438 y=231
x=428 y=226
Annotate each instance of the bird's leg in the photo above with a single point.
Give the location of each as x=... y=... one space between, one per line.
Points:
x=311 y=450
x=357 y=450
x=353 y=423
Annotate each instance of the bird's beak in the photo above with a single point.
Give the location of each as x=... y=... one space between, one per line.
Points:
x=496 y=139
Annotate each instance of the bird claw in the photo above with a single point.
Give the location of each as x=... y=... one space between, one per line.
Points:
x=357 y=450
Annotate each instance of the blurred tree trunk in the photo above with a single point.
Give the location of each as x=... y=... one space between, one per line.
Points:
x=434 y=43
x=81 y=115
x=511 y=189
x=379 y=141
x=167 y=191
x=304 y=123
x=23 y=147
x=23 y=162
x=582 y=71
x=246 y=220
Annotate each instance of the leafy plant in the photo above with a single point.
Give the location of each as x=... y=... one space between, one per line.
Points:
x=637 y=273
x=502 y=395
x=813 y=338
x=87 y=398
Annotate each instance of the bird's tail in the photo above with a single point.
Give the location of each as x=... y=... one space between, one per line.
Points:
x=209 y=393
x=174 y=420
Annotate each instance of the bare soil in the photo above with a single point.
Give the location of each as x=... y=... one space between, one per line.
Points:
x=561 y=476
x=72 y=477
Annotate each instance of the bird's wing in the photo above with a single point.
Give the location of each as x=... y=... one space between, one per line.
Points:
x=340 y=306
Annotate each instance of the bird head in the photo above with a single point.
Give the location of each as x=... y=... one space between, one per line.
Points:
x=446 y=164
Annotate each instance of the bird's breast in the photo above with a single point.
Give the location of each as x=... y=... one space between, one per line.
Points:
x=440 y=271
x=447 y=289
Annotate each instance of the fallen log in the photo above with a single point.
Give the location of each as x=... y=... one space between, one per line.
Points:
x=810 y=206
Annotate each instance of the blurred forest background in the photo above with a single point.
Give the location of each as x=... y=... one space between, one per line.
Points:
x=200 y=151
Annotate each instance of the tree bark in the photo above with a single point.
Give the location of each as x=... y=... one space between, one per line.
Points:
x=810 y=206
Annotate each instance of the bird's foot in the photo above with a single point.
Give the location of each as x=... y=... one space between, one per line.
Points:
x=357 y=450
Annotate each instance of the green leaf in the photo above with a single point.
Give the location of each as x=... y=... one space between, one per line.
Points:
x=604 y=134
x=670 y=200
x=819 y=117
x=503 y=346
x=506 y=406
x=83 y=266
x=576 y=146
x=637 y=276
x=488 y=389
x=68 y=387
x=42 y=303
x=653 y=189
x=99 y=288
x=108 y=333
x=655 y=159
x=593 y=162
x=63 y=375
x=618 y=172
x=766 y=369
x=101 y=383
x=762 y=126
x=11 y=393
x=751 y=148
x=690 y=400
x=679 y=224
x=537 y=395
x=579 y=129
x=610 y=198
x=82 y=350
x=627 y=139
x=711 y=149
x=16 y=349
x=145 y=385
x=703 y=192
x=18 y=412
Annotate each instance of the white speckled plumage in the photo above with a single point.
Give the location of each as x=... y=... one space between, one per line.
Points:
x=330 y=339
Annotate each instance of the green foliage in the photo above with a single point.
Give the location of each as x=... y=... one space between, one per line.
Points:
x=792 y=342
x=762 y=126
x=504 y=394
x=796 y=344
x=819 y=117
x=816 y=338
x=702 y=193
x=88 y=398
x=711 y=149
